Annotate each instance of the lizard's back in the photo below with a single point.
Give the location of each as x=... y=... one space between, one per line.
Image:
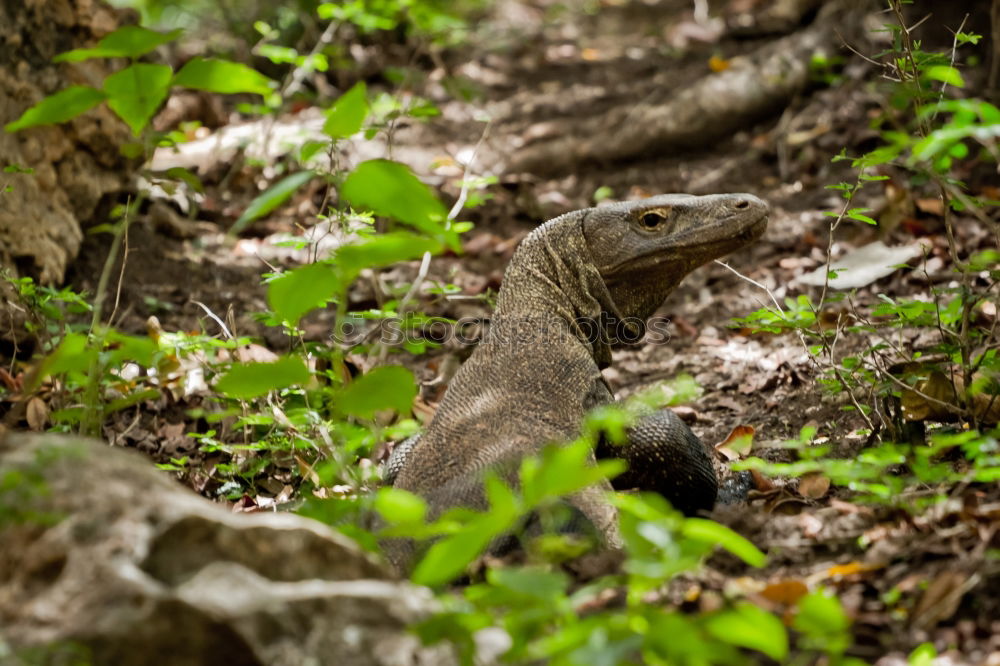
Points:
x=539 y=371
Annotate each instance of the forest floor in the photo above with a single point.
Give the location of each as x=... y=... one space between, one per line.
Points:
x=902 y=580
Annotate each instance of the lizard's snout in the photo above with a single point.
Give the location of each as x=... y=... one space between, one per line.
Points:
x=750 y=215
x=748 y=204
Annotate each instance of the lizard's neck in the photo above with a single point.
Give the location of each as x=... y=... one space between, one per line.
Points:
x=552 y=281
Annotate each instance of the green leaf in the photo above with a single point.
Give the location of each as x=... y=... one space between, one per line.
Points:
x=136 y=92
x=17 y=168
x=131 y=399
x=296 y=292
x=186 y=176
x=140 y=349
x=449 y=557
x=249 y=380
x=72 y=355
x=534 y=582
x=387 y=387
x=881 y=155
x=348 y=113
x=709 y=531
x=946 y=74
x=383 y=250
x=58 y=108
x=503 y=501
x=858 y=214
x=923 y=655
x=967 y=37
x=820 y=615
x=271 y=198
x=310 y=149
x=562 y=470
x=748 y=626
x=129 y=41
x=400 y=506
x=390 y=189
x=959 y=151
x=222 y=76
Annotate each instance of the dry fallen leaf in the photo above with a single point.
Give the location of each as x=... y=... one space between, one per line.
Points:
x=13 y=385
x=423 y=410
x=443 y=161
x=738 y=443
x=941 y=598
x=307 y=471
x=173 y=430
x=862 y=266
x=787 y=592
x=848 y=508
x=814 y=485
x=850 y=569
x=931 y=206
x=245 y=504
x=255 y=353
x=717 y=64
x=36 y=413
x=761 y=483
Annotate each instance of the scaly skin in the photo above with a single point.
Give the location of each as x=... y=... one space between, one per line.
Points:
x=571 y=287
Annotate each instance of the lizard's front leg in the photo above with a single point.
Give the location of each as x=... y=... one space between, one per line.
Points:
x=664 y=456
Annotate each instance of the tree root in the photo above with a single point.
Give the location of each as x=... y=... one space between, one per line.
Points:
x=750 y=89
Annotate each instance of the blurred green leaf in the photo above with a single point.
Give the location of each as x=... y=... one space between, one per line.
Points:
x=136 y=92
x=249 y=380
x=270 y=199
x=709 y=531
x=140 y=349
x=390 y=189
x=531 y=582
x=131 y=399
x=345 y=117
x=748 y=626
x=72 y=355
x=448 y=558
x=129 y=41
x=58 y=108
x=945 y=74
x=298 y=291
x=383 y=250
x=821 y=618
x=222 y=76
x=187 y=177
x=923 y=655
x=387 y=387
x=561 y=470
x=399 y=506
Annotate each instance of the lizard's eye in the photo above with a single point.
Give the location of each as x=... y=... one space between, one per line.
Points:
x=652 y=220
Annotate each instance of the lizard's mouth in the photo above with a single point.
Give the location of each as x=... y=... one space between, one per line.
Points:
x=755 y=229
x=726 y=235
x=692 y=247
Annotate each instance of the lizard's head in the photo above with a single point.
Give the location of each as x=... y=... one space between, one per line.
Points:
x=643 y=249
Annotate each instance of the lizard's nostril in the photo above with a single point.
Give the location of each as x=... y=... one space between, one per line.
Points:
x=742 y=204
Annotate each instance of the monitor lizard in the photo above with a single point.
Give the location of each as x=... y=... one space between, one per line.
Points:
x=576 y=286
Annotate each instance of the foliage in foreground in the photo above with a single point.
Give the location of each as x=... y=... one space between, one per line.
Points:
x=930 y=130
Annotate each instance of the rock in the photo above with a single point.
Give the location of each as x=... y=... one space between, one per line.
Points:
x=76 y=163
x=103 y=555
